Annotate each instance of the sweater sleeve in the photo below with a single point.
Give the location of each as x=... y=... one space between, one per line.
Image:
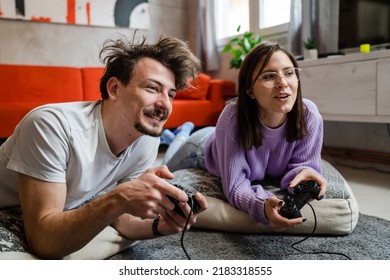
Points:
x=225 y=158
x=307 y=152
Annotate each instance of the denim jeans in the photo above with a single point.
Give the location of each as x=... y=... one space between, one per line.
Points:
x=190 y=154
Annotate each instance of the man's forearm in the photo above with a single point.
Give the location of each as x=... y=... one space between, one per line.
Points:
x=61 y=233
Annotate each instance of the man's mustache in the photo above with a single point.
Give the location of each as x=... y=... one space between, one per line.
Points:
x=158 y=113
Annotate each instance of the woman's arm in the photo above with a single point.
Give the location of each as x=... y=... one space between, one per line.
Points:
x=305 y=162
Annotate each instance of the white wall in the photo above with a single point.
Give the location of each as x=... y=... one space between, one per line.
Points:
x=39 y=43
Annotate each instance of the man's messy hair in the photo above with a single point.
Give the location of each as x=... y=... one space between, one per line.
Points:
x=122 y=55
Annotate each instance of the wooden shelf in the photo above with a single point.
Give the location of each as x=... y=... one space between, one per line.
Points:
x=354 y=87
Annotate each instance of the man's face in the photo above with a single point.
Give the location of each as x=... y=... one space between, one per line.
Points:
x=146 y=102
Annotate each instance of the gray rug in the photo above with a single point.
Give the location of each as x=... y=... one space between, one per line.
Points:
x=369 y=241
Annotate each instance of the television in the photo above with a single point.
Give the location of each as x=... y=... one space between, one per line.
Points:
x=364 y=22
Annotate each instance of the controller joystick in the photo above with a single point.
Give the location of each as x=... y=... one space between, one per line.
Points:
x=303 y=193
x=192 y=202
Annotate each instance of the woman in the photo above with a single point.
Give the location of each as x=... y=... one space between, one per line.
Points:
x=268 y=131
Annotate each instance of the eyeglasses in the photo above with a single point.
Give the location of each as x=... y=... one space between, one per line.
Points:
x=270 y=79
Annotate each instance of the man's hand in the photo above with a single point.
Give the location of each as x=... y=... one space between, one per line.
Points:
x=146 y=197
x=172 y=222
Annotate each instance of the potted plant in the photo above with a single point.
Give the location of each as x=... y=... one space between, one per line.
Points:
x=310 y=52
x=239 y=46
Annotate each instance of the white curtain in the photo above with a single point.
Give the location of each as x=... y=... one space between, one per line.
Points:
x=203 y=32
x=317 y=19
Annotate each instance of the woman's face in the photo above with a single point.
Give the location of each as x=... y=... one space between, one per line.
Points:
x=275 y=94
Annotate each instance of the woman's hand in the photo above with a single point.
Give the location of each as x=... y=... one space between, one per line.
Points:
x=307 y=175
x=279 y=223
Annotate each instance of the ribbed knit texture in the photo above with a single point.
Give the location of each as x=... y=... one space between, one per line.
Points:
x=275 y=158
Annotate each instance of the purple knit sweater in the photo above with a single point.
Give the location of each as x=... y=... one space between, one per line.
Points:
x=274 y=158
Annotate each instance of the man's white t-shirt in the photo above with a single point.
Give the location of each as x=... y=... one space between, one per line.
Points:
x=66 y=143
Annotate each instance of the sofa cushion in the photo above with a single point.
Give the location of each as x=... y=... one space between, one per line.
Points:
x=198 y=90
x=336 y=214
x=40 y=84
x=24 y=87
x=200 y=112
x=91 y=82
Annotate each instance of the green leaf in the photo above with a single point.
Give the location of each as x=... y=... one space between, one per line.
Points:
x=240 y=45
x=227 y=48
x=235 y=63
x=235 y=40
x=247 y=45
x=248 y=35
x=257 y=39
x=310 y=43
x=236 y=52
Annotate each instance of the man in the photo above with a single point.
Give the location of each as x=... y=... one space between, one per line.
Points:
x=75 y=168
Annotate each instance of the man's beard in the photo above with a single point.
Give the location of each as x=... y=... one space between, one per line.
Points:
x=144 y=130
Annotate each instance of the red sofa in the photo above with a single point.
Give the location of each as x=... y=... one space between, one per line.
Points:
x=23 y=87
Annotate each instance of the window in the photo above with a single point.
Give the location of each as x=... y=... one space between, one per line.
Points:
x=266 y=17
x=274 y=12
x=229 y=15
x=272 y=16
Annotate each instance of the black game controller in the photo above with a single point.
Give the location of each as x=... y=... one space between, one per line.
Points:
x=303 y=192
x=192 y=202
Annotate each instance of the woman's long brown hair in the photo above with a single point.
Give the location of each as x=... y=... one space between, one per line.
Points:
x=249 y=126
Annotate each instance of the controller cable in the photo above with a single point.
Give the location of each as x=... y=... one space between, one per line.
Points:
x=311 y=234
x=184 y=229
x=293 y=245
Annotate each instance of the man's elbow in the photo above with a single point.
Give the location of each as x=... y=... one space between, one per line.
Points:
x=44 y=250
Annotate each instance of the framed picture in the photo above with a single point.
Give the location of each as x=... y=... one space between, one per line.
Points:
x=111 y=13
